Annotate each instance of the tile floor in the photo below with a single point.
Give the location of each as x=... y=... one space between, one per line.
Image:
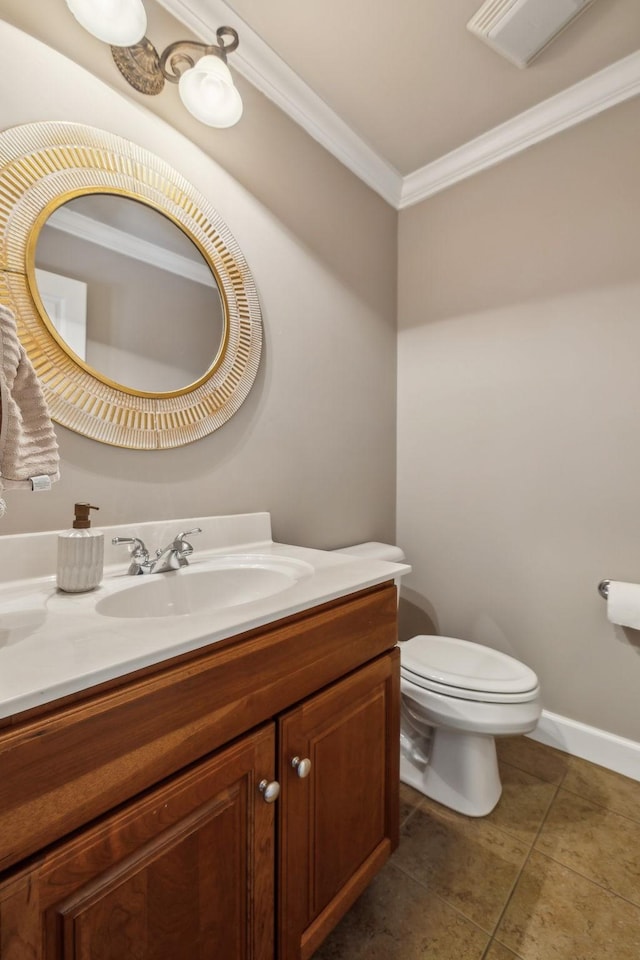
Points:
x=552 y=874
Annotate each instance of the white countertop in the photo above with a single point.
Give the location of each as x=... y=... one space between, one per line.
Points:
x=53 y=644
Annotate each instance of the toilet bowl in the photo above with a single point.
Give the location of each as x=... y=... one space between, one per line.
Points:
x=457 y=697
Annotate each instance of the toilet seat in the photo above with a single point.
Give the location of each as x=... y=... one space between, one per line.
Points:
x=468 y=671
x=459 y=693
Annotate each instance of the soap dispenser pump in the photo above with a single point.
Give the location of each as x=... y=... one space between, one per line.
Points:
x=80 y=553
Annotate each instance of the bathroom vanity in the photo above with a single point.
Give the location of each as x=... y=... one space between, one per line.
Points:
x=231 y=800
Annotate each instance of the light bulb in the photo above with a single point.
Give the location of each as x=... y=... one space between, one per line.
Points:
x=208 y=93
x=121 y=23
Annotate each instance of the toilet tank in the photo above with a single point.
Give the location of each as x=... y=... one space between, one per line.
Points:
x=372 y=550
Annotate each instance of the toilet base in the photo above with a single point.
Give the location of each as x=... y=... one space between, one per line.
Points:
x=462 y=772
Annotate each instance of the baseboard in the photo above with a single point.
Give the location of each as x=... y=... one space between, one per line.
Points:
x=590 y=743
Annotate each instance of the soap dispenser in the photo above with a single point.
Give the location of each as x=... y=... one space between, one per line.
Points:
x=80 y=553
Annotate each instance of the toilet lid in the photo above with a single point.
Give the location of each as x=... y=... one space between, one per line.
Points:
x=449 y=662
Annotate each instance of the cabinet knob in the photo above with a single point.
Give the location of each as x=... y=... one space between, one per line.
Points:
x=270 y=790
x=301 y=767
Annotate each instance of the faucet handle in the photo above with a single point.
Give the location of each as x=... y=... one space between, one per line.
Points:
x=139 y=549
x=182 y=545
x=139 y=553
x=187 y=533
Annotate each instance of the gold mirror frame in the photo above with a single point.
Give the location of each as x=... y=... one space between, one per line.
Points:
x=41 y=166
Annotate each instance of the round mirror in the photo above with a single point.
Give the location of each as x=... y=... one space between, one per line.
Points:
x=132 y=298
x=129 y=293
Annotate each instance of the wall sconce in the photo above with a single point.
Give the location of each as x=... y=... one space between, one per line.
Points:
x=204 y=81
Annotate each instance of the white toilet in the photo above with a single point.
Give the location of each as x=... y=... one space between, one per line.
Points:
x=457 y=697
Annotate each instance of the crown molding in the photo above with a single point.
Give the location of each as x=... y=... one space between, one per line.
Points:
x=258 y=64
x=585 y=99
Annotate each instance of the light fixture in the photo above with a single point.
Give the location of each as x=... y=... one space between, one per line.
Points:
x=204 y=80
x=120 y=22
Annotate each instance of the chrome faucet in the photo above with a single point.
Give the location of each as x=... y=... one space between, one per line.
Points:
x=171 y=557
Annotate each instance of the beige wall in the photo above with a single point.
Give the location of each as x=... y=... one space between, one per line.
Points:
x=314 y=442
x=519 y=412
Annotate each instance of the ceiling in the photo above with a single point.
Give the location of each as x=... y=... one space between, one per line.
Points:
x=397 y=92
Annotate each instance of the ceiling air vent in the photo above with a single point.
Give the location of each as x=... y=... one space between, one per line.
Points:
x=519 y=29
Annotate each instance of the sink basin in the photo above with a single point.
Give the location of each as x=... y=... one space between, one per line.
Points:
x=216 y=584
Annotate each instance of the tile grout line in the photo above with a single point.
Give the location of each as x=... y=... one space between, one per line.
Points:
x=590 y=880
x=558 y=787
x=511 y=836
x=524 y=863
x=424 y=808
x=447 y=904
x=572 y=870
x=407 y=873
x=601 y=806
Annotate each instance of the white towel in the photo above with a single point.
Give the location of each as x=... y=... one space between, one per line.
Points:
x=29 y=457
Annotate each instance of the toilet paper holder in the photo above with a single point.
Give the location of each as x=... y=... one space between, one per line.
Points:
x=603 y=588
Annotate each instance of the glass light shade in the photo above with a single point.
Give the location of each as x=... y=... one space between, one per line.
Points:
x=122 y=23
x=207 y=91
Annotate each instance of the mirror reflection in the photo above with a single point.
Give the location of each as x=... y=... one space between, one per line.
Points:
x=129 y=293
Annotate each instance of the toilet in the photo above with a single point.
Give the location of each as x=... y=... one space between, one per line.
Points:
x=457 y=697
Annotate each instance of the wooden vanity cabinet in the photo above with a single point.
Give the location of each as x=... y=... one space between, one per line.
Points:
x=196 y=865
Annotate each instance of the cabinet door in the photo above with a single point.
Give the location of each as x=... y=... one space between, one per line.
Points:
x=339 y=823
x=184 y=872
